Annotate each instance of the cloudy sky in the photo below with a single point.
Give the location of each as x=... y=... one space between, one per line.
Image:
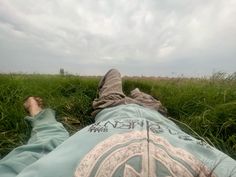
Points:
x=139 y=37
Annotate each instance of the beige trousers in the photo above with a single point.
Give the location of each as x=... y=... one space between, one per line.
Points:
x=111 y=94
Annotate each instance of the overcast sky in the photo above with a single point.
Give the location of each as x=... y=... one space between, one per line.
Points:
x=139 y=37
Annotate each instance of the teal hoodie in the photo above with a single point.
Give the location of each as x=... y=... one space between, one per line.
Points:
x=126 y=140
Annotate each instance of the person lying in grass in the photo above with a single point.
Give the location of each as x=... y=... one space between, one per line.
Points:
x=131 y=137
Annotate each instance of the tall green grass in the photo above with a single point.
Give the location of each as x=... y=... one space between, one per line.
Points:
x=208 y=106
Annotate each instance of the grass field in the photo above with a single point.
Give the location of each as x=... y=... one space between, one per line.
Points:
x=208 y=106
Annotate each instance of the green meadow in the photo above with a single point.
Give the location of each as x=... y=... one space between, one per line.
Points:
x=204 y=108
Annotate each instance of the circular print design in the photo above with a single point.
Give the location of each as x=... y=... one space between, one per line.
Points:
x=139 y=154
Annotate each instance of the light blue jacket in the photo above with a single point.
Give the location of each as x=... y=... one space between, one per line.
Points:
x=126 y=140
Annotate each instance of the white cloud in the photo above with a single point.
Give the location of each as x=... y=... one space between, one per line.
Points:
x=165 y=51
x=109 y=33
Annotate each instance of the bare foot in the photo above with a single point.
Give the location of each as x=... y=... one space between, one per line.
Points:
x=33 y=105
